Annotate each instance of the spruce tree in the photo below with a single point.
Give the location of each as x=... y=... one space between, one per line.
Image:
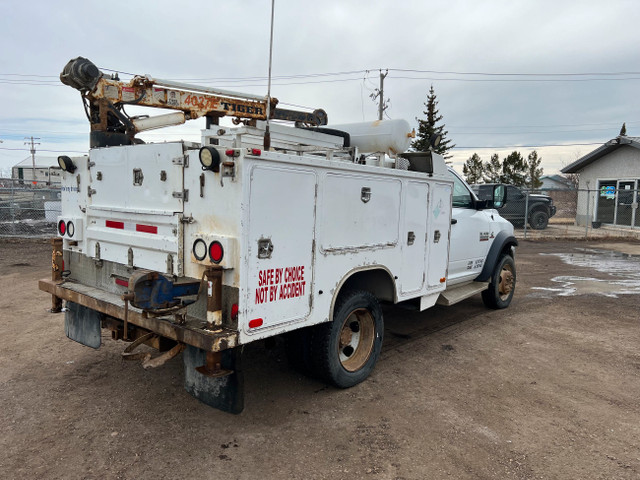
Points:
x=430 y=125
x=623 y=130
x=492 y=172
x=473 y=169
x=514 y=170
x=534 y=170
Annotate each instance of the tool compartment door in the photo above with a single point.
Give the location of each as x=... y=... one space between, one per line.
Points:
x=438 y=235
x=135 y=206
x=280 y=246
x=414 y=246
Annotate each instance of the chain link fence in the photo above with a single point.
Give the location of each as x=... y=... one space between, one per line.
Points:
x=610 y=212
x=28 y=209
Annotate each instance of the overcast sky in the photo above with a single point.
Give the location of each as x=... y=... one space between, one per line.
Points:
x=574 y=67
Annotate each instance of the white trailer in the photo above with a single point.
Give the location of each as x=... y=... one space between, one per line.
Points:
x=201 y=249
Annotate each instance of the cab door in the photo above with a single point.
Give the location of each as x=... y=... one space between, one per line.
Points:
x=470 y=235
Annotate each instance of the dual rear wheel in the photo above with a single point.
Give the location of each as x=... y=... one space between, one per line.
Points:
x=343 y=352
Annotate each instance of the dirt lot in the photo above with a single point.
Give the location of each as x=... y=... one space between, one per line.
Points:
x=549 y=388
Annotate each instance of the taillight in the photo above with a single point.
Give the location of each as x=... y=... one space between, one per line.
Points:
x=216 y=252
x=256 y=152
x=255 y=323
x=234 y=311
x=199 y=249
x=70 y=229
x=232 y=152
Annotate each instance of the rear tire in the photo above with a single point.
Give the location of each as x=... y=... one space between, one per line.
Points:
x=346 y=349
x=539 y=220
x=503 y=284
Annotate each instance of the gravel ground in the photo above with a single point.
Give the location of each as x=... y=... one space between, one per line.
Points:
x=548 y=388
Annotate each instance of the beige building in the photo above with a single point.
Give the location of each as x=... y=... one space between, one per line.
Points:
x=46 y=172
x=609 y=183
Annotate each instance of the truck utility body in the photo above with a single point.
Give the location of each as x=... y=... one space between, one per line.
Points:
x=201 y=249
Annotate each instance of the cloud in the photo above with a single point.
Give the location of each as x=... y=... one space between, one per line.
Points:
x=224 y=43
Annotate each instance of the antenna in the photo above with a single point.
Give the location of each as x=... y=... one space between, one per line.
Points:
x=267 y=134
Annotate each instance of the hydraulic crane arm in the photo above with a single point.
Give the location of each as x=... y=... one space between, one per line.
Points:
x=105 y=96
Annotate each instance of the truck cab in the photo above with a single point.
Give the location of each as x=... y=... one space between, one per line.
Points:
x=473 y=225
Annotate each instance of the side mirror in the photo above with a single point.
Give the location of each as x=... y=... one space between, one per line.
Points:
x=499 y=196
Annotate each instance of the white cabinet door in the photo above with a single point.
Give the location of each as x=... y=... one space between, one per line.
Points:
x=279 y=246
x=413 y=236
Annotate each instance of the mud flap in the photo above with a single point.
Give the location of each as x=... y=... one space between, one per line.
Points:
x=82 y=325
x=224 y=393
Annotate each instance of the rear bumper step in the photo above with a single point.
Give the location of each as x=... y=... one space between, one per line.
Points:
x=192 y=332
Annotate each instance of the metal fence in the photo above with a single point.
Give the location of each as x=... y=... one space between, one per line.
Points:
x=579 y=213
x=28 y=209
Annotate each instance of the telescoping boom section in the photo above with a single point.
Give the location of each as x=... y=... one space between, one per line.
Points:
x=105 y=97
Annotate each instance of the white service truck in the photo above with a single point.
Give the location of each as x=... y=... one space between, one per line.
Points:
x=200 y=249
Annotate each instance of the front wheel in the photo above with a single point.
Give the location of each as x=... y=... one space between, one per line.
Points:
x=539 y=220
x=503 y=284
x=346 y=349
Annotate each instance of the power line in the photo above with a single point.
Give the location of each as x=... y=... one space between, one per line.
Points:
x=528 y=133
x=27 y=75
x=513 y=76
x=544 y=126
x=500 y=80
x=34 y=83
x=529 y=146
x=537 y=74
x=21 y=133
x=43 y=150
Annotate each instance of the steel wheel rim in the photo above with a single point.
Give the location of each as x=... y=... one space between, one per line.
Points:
x=357 y=335
x=505 y=287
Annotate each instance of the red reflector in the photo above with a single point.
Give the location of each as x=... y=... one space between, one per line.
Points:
x=112 y=224
x=256 y=151
x=216 y=252
x=146 y=228
x=230 y=152
x=121 y=282
x=256 y=322
x=234 y=311
x=62 y=227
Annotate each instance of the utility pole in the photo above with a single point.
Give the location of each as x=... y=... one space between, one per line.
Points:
x=33 y=156
x=379 y=93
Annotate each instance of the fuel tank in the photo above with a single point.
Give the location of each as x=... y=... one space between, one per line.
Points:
x=381 y=136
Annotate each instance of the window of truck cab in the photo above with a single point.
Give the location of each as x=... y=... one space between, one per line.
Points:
x=462 y=197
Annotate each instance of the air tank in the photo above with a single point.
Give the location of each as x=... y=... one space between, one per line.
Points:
x=382 y=136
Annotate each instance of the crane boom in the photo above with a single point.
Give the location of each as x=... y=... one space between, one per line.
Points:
x=105 y=96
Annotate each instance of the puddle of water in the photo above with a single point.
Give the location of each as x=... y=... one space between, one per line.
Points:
x=623 y=270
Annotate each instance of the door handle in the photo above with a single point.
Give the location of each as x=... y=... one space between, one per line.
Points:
x=454 y=221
